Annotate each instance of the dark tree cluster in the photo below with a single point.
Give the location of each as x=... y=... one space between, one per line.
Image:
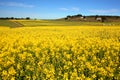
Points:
x=78 y=15
x=13 y=18
x=73 y=16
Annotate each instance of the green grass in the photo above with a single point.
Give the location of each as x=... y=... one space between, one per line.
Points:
x=57 y=23
x=8 y=23
x=33 y=23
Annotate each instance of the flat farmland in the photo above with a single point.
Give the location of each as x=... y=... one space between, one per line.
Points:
x=55 y=52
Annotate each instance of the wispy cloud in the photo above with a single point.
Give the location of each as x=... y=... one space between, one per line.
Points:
x=75 y=9
x=70 y=9
x=15 y=4
x=104 y=11
x=64 y=9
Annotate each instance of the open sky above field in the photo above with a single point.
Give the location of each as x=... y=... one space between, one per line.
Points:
x=51 y=9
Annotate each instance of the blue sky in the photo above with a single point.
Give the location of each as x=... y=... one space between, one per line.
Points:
x=51 y=9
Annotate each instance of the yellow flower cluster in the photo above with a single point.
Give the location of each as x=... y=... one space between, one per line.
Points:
x=60 y=53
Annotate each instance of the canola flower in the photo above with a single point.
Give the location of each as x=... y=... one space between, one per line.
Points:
x=60 y=53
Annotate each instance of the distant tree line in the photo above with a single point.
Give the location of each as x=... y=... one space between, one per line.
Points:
x=73 y=16
x=13 y=18
x=100 y=18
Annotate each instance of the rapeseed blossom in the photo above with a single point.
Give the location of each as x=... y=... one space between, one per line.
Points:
x=63 y=53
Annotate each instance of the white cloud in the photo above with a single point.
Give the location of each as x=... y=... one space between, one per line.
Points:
x=70 y=9
x=15 y=4
x=64 y=9
x=104 y=11
x=75 y=9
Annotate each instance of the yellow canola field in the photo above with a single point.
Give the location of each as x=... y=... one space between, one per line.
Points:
x=60 y=53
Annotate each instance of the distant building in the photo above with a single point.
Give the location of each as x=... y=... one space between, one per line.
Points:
x=99 y=19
